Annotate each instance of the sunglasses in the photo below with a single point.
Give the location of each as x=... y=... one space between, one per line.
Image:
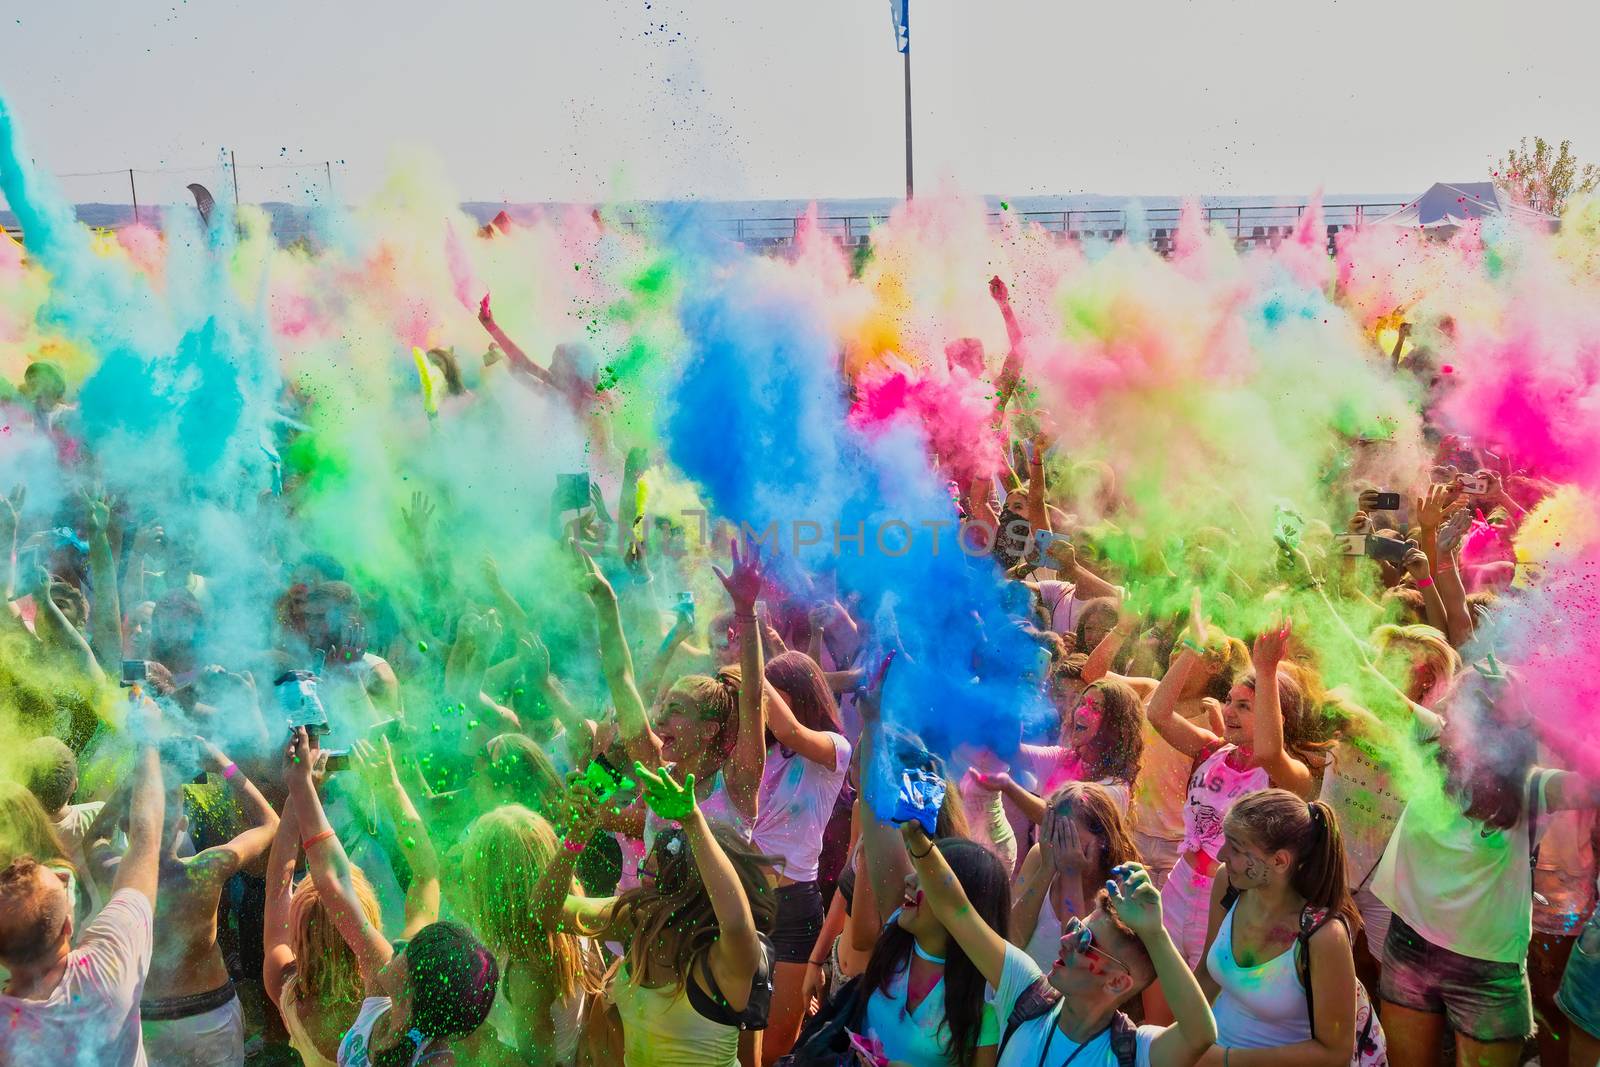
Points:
x=1081 y=938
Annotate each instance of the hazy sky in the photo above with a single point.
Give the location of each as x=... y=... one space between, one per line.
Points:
x=591 y=99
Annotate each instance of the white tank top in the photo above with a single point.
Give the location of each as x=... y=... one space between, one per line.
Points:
x=1259 y=1007
x=354 y=1050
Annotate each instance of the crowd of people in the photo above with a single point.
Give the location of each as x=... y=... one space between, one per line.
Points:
x=1205 y=795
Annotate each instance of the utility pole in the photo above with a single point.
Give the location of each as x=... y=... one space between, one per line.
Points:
x=233 y=165
x=135 y=191
x=908 y=123
x=328 y=166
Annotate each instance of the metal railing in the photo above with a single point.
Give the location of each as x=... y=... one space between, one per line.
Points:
x=1248 y=225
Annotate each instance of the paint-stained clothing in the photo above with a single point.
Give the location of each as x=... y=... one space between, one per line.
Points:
x=91 y=1019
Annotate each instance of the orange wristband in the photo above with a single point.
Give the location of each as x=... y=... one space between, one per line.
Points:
x=315 y=839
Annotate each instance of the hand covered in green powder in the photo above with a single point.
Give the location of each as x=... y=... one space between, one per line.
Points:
x=666 y=797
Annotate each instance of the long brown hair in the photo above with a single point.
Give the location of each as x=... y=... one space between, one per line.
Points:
x=1118 y=743
x=1301 y=733
x=987 y=885
x=1276 y=819
x=673 y=910
x=1103 y=818
x=805 y=688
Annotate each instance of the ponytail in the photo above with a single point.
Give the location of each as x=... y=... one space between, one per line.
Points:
x=1276 y=819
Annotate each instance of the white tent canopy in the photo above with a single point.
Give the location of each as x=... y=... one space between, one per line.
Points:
x=1448 y=205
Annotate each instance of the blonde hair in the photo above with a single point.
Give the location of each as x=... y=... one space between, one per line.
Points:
x=1425 y=642
x=505 y=853
x=26 y=829
x=326 y=972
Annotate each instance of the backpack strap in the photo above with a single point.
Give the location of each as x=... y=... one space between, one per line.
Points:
x=1124 y=1040
x=1038 y=999
x=1534 y=809
x=1311 y=920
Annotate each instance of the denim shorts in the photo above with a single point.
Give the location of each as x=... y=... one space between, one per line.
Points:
x=1579 y=995
x=1484 y=999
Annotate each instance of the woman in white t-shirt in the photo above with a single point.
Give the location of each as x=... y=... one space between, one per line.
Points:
x=1083 y=837
x=1263 y=743
x=1457 y=874
x=807 y=760
x=926 y=1003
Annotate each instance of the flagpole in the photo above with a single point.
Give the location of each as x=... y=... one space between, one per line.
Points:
x=907 y=55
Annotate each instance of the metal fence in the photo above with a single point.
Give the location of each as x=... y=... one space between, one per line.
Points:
x=1250 y=226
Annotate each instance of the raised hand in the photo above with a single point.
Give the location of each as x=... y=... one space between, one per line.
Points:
x=590 y=580
x=418 y=518
x=744 y=584
x=998 y=290
x=299 y=760
x=98 y=509
x=1135 y=899
x=485 y=316
x=1416 y=564
x=1272 y=645
x=535 y=658
x=1434 y=505
x=997 y=782
x=869 y=695
x=664 y=795
x=11 y=510
x=1197 y=620
x=1453 y=529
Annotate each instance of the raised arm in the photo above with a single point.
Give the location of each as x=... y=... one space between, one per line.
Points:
x=1086 y=585
x=1104 y=654
x=105 y=619
x=1284 y=768
x=983 y=945
x=736 y=954
x=1436 y=510
x=221 y=862
x=1137 y=902
x=422 y=897
x=1011 y=369
x=1162 y=710
x=146 y=806
x=749 y=760
x=554 y=906
x=514 y=353
x=277 y=956
x=330 y=866
x=817 y=746
x=616 y=662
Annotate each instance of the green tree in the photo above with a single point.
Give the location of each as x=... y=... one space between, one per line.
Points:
x=1545 y=176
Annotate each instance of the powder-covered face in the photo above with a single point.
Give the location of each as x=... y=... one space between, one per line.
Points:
x=1086 y=719
x=1248 y=866
x=1239 y=716
x=685 y=730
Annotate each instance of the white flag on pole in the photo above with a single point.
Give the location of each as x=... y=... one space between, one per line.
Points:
x=900 y=13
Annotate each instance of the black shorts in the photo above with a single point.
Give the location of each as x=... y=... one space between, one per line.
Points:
x=799 y=921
